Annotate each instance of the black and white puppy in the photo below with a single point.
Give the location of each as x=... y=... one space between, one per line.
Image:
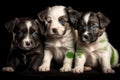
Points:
x=59 y=43
x=93 y=47
x=26 y=50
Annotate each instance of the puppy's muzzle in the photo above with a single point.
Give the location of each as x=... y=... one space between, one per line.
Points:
x=85 y=37
x=28 y=44
x=55 y=31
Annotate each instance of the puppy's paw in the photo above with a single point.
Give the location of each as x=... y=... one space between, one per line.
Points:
x=108 y=71
x=44 y=68
x=65 y=69
x=78 y=70
x=86 y=68
x=7 y=69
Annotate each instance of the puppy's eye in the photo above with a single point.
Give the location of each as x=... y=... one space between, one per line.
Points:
x=35 y=34
x=20 y=33
x=49 y=20
x=80 y=27
x=62 y=21
x=93 y=27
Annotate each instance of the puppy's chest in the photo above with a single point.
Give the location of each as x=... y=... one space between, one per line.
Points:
x=89 y=48
x=56 y=43
x=25 y=59
x=92 y=57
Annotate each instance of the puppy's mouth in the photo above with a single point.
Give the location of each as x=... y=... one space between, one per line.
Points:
x=56 y=33
x=27 y=48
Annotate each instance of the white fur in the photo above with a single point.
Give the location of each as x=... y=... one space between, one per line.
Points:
x=46 y=61
x=86 y=33
x=28 y=24
x=94 y=52
x=27 y=38
x=8 y=69
x=86 y=18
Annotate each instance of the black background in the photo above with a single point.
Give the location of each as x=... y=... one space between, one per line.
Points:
x=9 y=9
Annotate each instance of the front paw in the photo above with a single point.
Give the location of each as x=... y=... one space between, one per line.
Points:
x=44 y=68
x=108 y=71
x=78 y=70
x=65 y=69
x=7 y=69
x=87 y=68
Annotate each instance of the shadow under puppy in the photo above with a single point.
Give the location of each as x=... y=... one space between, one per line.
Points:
x=92 y=46
x=59 y=38
x=26 y=52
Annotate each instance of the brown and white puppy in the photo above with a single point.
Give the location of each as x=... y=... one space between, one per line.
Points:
x=93 y=47
x=26 y=52
x=59 y=43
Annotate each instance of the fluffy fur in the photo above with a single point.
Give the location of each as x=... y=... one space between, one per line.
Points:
x=26 y=50
x=92 y=46
x=59 y=43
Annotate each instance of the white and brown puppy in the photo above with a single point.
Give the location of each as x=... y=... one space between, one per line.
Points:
x=93 y=47
x=59 y=43
x=26 y=51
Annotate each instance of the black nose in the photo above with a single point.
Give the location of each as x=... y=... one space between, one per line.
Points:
x=86 y=36
x=28 y=43
x=54 y=30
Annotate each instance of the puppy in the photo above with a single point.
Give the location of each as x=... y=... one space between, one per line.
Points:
x=93 y=47
x=59 y=43
x=26 y=51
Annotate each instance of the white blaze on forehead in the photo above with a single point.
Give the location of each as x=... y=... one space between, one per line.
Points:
x=28 y=24
x=86 y=17
x=56 y=11
x=27 y=38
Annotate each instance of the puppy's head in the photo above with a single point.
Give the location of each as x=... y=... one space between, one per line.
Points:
x=56 y=20
x=25 y=32
x=90 y=26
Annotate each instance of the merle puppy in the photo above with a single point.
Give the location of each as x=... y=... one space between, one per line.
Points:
x=26 y=50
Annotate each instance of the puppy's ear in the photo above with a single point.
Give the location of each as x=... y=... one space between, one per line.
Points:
x=74 y=15
x=11 y=24
x=40 y=25
x=104 y=21
x=42 y=15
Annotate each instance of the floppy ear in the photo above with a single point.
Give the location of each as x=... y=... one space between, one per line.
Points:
x=74 y=15
x=104 y=21
x=41 y=26
x=42 y=15
x=11 y=24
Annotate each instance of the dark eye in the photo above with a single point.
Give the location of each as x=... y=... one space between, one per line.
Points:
x=20 y=33
x=49 y=20
x=62 y=21
x=35 y=34
x=80 y=27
